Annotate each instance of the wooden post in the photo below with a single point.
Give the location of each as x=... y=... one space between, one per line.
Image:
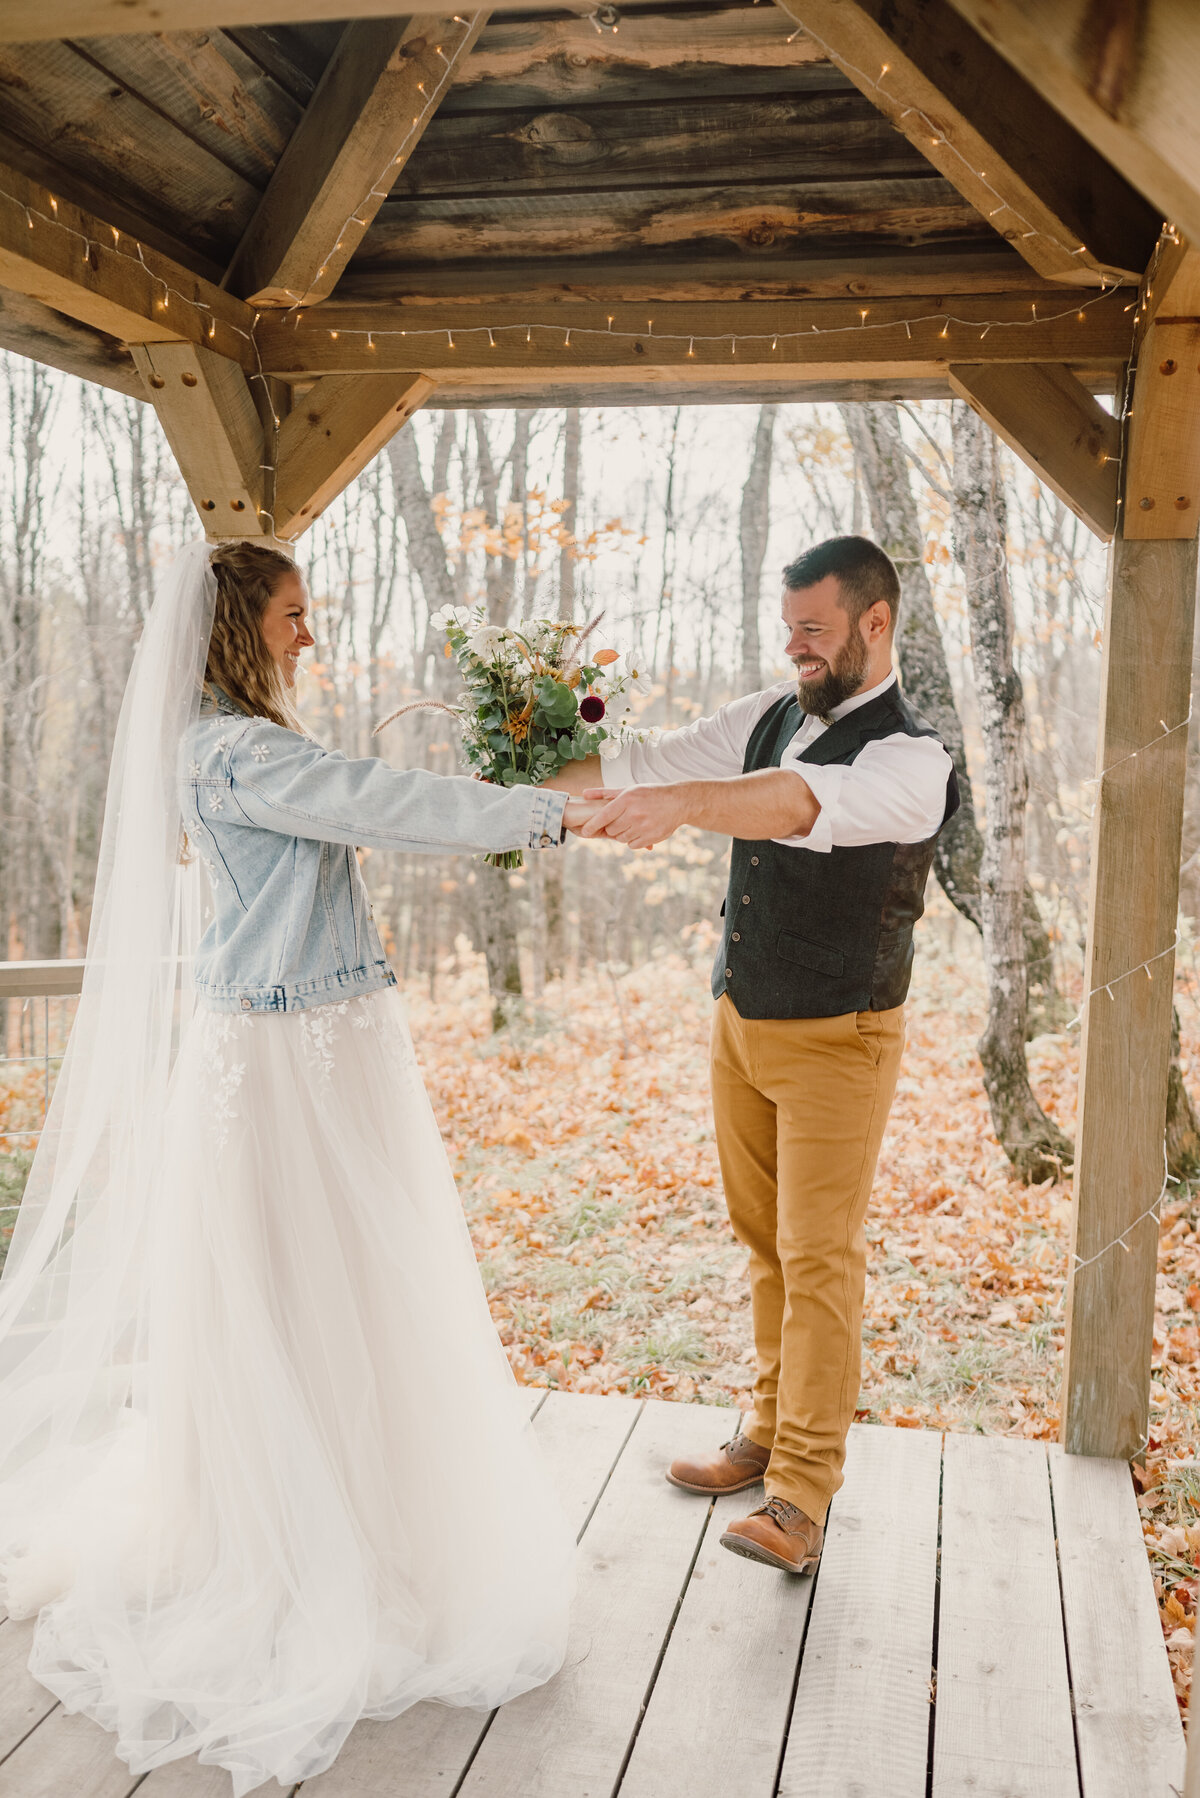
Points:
x=1120 y=1157
x=1119 y=1164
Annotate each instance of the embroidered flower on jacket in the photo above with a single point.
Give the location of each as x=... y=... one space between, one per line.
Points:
x=194 y=770
x=216 y=802
x=260 y=752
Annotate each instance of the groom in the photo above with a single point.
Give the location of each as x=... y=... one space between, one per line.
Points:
x=833 y=791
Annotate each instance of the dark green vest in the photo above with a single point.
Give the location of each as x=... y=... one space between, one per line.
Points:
x=809 y=935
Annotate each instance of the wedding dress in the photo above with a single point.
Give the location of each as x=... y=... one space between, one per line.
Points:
x=263 y=1466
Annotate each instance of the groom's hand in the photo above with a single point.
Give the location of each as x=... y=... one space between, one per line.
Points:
x=639 y=816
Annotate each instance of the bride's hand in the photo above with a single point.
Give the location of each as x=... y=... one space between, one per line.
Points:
x=578 y=812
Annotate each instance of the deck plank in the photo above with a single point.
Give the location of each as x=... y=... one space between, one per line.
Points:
x=1126 y=1719
x=719 y=1709
x=423 y=1753
x=66 y=1756
x=1002 y=1727
x=23 y=1702
x=861 y=1718
x=569 y=1738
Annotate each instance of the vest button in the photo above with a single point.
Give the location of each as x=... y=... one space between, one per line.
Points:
x=729 y=973
x=754 y=861
x=745 y=898
x=737 y=936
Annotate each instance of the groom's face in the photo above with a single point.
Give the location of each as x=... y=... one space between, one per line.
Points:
x=828 y=653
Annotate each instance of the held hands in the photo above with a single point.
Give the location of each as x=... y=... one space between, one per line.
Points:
x=639 y=816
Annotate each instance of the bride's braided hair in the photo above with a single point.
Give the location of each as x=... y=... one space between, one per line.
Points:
x=238 y=659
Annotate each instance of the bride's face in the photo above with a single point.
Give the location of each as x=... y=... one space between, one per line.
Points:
x=285 y=625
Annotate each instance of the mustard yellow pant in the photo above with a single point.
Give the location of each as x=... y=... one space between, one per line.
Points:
x=800 y=1107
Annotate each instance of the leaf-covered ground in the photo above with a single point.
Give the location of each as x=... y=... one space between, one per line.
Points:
x=583 y=1146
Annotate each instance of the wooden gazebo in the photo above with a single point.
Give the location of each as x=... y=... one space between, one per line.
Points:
x=287 y=228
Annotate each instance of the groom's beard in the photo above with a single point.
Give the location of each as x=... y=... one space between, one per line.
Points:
x=841 y=680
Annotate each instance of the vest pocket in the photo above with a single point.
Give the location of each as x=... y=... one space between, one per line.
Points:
x=810 y=955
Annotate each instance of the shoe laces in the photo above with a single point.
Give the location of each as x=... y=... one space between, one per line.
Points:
x=781 y=1511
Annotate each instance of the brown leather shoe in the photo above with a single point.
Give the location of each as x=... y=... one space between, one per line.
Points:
x=778 y=1533
x=737 y=1463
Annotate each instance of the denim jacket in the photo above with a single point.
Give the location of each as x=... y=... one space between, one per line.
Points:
x=275 y=819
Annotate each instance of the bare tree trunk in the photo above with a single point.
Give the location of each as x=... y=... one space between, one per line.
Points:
x=1034 y=1145
x=753 y=526
x=553 y=867
x=880 y=456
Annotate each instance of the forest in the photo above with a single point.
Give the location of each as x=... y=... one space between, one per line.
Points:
x=560 y=1011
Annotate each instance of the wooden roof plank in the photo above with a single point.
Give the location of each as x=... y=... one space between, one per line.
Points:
x=564 y=61
x=208 y=87
x=794 y=138
x=753 y=225
x=1126 y=79
x=1056 y=427
x=991 y=133
x=105 y=132
x=363 y=121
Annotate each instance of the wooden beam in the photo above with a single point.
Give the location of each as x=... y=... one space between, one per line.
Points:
x=213 y=427
x=68 y=259
x=30 y=329
x=1162 y=459
x=825 y=339
x=990 y=133
x=1124 y=76
x=368 y=114
x=1054 y=424
x=30 y=21
x=1119 y=1157
x=329 y=437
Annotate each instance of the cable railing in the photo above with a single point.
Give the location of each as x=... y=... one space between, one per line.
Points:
x=37 y=1007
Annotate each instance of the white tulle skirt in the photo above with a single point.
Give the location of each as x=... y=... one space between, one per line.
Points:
x=324 y=1501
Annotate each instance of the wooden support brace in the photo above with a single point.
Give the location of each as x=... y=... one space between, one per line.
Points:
x=1056 y=426
x=213 y=427
x=331 y=434
x=364 y=121
x=990 y=132
x=1119 y=1158
x=1162 y=474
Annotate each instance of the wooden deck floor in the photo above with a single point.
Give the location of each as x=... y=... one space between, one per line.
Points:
x=982 y=1623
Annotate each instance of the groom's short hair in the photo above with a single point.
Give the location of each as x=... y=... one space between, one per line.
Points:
x=865 y=574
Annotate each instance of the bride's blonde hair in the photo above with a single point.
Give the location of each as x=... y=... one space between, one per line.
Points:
x=239 y=662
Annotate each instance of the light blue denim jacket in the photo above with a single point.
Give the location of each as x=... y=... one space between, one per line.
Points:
x=275 y=819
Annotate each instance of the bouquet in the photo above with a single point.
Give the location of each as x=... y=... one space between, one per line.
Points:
x=535 y=698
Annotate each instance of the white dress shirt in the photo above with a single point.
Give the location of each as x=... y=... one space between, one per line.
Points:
x=893 y=792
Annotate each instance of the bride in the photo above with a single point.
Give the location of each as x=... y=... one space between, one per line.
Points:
x=263 y=1468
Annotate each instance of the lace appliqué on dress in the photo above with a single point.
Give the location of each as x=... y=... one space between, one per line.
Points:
x=320 y=1027
x=224 y=1073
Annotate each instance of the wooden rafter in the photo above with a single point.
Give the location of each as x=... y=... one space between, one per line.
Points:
x=364 y=121
x=1125 y=76
x=1072 y=216
x=330 y=435
x=1056 y=426
x=31 y=21
x=68 y=259
x=836 y=339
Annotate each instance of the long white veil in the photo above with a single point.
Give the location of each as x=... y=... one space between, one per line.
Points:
x=71 y=1298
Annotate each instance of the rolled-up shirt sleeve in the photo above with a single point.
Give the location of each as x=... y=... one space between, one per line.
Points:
x=712 y=748
x=893 y=792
